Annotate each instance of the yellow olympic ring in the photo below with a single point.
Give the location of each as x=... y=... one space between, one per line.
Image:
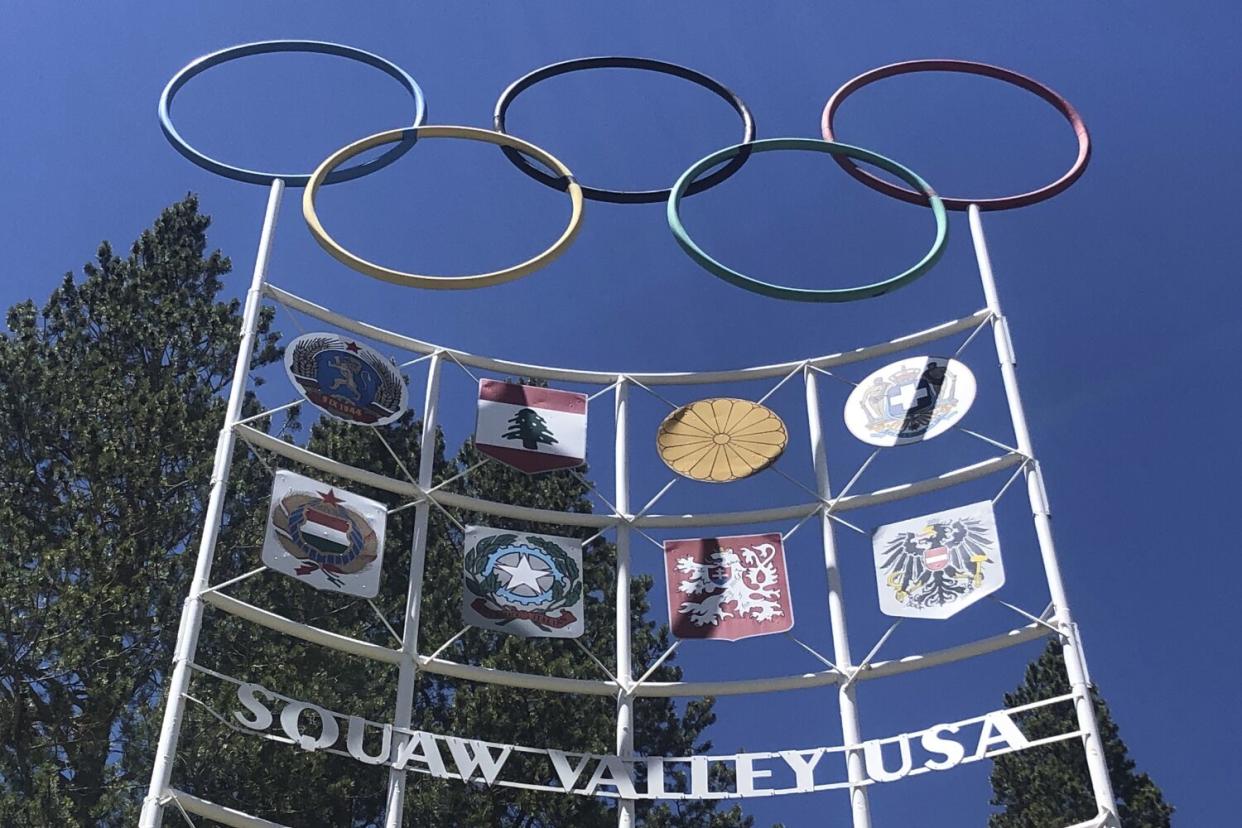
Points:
x=400 y=277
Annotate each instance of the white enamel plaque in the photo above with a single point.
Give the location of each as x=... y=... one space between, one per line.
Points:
x=909 y=401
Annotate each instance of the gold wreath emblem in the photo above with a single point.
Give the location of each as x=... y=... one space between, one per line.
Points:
x=722 y=439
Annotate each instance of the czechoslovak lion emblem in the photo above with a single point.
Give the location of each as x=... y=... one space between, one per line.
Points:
x=346 y=379
x=729 y=588
x=937 y=565
x=523 y=584
x=911 y=400
x=330 y=538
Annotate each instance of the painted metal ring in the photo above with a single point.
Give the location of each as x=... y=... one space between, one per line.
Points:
x=804 y=294
x=267 y=47
x=440 y=282
x=970 y=68
x=648 y=64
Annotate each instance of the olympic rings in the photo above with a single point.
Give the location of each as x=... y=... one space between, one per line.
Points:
x=801 y=294
x=625 y=196
x=971 y=68
x=265 y=47
x=440 y=282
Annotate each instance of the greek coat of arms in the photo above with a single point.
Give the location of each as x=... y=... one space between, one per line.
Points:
x=728 y=588
x=346 y=379
x=909 y=401
x=937 y=565
x=324 y=536
x=522 y=584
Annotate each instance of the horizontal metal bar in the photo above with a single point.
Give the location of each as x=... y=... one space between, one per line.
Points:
x=300 y=455
x=489 y=507
x=557 y=684
x=508 y=367
x=219 y=813
x=306 y=632
x=883 y=669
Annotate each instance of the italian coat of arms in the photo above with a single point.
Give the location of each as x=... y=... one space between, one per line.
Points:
x=522 y=584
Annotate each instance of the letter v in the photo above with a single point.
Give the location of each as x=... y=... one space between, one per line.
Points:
x=567 y=775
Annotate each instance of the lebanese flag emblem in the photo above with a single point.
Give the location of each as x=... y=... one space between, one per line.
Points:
x=936 y=559
x=530 y=428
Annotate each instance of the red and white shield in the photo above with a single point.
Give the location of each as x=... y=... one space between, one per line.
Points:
x=936 y=559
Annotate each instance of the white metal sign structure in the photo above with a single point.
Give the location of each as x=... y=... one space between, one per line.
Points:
x=856 y=765
x=860 y=765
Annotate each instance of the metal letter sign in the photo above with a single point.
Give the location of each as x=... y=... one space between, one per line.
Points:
x=915 y=399
x=522 y=584
x=729 y=588
x=325 y=536
x=936 y=748
x=530 y=428
x=937 y=565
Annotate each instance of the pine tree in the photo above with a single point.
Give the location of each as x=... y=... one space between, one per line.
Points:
x=530 y=428
x=110 y=404
x=110 y=401
x=1048 y=787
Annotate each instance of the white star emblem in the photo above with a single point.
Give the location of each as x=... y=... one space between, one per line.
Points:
x=525 y=575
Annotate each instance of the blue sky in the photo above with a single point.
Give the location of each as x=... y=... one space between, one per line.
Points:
x=1118 y=291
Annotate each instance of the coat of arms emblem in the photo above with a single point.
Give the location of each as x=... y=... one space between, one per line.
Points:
x=325 y=536
x=523 y=584
x=531 y=428
x=937 y=565
x=729 y=588
x=346 y=379
x=911 y=400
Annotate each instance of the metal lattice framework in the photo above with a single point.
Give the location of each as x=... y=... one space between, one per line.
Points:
x=825 y=505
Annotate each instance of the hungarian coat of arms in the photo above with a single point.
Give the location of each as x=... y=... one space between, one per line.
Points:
x=325 y=536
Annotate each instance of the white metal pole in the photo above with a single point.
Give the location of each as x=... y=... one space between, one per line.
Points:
x=192 y=612
x=851 y=732
x=1062 y=620
x=395 y=800
x=625 y=702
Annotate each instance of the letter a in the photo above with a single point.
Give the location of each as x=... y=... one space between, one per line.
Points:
x=1005 y=732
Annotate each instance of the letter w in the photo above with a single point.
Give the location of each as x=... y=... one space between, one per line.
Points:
x=471 y=755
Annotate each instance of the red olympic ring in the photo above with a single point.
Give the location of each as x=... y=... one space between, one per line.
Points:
x=971 y=68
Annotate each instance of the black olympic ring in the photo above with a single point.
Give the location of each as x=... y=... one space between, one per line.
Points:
x=648 y=64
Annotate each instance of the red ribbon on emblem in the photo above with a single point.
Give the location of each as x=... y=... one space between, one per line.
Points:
x=509 y=614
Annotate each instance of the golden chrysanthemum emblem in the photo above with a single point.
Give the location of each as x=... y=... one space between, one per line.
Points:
x=721 y=439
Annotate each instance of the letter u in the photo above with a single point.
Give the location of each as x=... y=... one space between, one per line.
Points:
x=873 y=751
